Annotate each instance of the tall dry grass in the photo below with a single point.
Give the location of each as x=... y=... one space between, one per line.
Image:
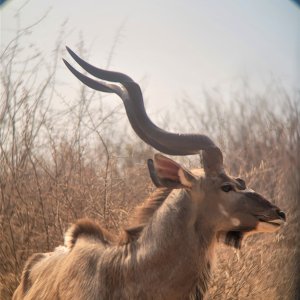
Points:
x=57 y=166
x=260 y=134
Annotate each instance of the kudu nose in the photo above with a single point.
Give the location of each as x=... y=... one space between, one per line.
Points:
x=281 y=215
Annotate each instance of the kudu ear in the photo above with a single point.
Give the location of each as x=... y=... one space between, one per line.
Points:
x=165 y=172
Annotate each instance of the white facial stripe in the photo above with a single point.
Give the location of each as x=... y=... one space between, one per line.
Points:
x=248 y=191
x=223 y=210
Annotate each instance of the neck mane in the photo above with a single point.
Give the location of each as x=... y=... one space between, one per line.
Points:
x=142 y=215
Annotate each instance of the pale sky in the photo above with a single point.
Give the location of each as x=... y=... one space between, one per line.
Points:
x=173 y=47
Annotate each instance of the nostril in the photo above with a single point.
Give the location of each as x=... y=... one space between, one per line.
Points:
x=281 y=215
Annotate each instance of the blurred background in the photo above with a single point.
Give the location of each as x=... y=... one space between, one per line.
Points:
x=230 y=69
x=173 y=48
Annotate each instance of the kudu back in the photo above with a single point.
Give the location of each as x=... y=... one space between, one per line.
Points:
x=167 y=250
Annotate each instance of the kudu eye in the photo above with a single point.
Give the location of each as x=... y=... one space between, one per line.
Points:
x=227 y=187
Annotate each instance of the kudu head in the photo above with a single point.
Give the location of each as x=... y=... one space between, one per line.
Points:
x=224 y=203
x=232 y=209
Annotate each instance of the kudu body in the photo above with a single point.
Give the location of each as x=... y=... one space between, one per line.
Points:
x=167 y=251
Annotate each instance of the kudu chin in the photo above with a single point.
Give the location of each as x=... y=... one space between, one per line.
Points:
x=167 y=251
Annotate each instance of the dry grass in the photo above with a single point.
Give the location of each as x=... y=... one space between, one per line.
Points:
x=261 y=137
x=56 y=168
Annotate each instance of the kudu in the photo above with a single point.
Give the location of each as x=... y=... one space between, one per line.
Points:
x=167 y=251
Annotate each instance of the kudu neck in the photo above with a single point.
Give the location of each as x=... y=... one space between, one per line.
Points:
x=183 y=241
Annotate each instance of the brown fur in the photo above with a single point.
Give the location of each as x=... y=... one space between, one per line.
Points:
x=35 y=258
x=141 y=216
x=86 y=227
x=166 y=252
x=143 y=213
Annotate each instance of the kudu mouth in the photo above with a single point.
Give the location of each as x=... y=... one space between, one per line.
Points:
x=269 y=217
x=271 y=224
x=266 y=223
